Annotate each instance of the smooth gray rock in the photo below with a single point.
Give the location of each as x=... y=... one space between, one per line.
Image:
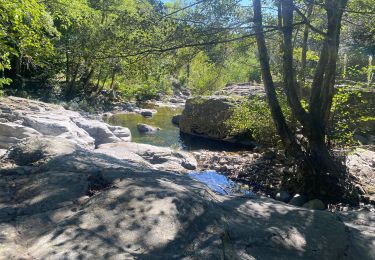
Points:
x=147 y=112
x=298 y=200
x=37 y=150
x=121 y=132
x=46 y=119
x=92 y=206
x=3 y=152
x=143 y=128
x=361 y=163
x=11 y=133
x=38 y=118
x=97 y=130
x=162 y=158
x=314 y=204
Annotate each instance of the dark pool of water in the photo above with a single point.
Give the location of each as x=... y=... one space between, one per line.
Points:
x=219 y=183
x=169 y=135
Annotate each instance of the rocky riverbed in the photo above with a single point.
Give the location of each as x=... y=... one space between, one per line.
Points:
x=262 y=172
x=77 y=188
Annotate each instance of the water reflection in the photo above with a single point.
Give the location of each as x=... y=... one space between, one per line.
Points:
x=169 y=135
x=219 y=183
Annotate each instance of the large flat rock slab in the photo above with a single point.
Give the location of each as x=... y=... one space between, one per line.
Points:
x=162 y=158
x=86 y=205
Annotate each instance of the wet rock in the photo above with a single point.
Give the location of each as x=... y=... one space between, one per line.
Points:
x=147 y=112
x=143 y=128
x=176 y=119
x=314 y=204
x=298 y=200
x=283 y=196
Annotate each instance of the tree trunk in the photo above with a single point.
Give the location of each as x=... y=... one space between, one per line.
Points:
x=112 y=86
x=304 y=48
x=315 y=161
x=286 y=135
x=86 y=80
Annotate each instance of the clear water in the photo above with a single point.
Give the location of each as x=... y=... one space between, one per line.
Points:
x=169 y=135
x=219 y=183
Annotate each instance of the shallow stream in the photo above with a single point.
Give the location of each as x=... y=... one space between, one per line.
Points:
x=169 y=135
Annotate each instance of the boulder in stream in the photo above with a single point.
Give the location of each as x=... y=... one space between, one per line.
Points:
x=144 y=128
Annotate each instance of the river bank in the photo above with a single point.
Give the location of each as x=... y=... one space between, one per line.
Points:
x=73 y=187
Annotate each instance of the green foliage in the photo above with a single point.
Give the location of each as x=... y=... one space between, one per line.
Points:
x=204 y=76
x=242 y=66
x=26 y=29
x=254 y=116
x=352 y=107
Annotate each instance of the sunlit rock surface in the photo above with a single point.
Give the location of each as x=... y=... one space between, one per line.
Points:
x=62 y=199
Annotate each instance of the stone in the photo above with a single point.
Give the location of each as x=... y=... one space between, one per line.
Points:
x=360 y=189
x=361 y=165
x=134 y=201
x=39 y=149
x=206 y=116
x=143 y=128
x=3 y=152
x=144 y=213
x=243 y=90
x=314 y=204
x=147 y=112
x=176 y=100
x=162 y=158
x=97 y=130
x=121 y=132
x=176 y=119
x=12 y=133
x=298 y=200
x=283 y=196
x=106 y=115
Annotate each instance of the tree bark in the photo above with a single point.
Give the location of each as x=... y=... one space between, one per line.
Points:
x=305 y=47
x=315 y=160
x=283 y=130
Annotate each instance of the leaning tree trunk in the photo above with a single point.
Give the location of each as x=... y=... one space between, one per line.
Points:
x=304 y=48
x=315 y=161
